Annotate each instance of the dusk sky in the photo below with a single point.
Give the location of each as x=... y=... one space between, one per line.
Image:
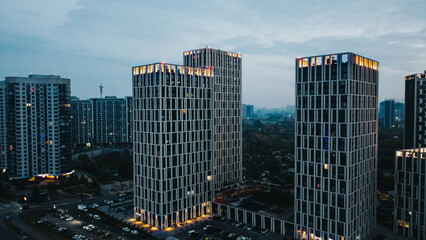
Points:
x=93 y=42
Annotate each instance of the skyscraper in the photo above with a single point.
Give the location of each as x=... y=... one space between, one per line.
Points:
x=410 y=180
x=81 y=121
x=415 y=115
x=335 y=146
x=35 y=126
x=227 y=107
x=173 y=143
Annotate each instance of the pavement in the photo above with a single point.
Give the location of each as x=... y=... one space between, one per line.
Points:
x=387 y=232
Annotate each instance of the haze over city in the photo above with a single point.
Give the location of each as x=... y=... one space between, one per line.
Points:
x=93 y=42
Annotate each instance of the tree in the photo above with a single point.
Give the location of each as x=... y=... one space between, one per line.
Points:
x=36 y=194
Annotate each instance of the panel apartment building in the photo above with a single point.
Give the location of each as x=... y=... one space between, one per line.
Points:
x=35 y=126
x=335 y=146
x=102 y=121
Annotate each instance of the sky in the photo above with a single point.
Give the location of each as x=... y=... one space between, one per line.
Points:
x=97 y=41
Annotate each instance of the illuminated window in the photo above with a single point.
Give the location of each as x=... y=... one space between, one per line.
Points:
x=326 y=166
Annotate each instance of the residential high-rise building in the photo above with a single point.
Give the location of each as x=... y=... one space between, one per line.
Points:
x=81 y=121
x=247 y=111
x=335 y=146
x=387 y=113
x=129 y=118
x=415 y=114
x=109 y=120
x=173 y=143
x=227 y=107
x=35 y=126
x=410 y=179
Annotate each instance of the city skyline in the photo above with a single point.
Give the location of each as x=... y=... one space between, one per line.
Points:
x=83 y=39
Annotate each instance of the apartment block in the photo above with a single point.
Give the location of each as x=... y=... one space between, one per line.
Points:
x=335 y=146
x=173 y=143
x=227 y=107
x=415 y=114
x=410 y=205
x=35 y=126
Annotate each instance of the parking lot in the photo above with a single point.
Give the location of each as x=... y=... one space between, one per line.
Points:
x=83 y=220
x=218 y=229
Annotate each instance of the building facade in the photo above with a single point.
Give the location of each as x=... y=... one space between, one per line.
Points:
x=335 y=146
x=36 y=126
x=227 y=107
x=81 y=121
x=109 y=120
x=410 y=205
x=415 y=115
x=173 y=143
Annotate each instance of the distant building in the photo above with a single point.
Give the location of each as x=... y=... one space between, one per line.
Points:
x=247 y=111
x=81 y=121
x=399 y=111
x=387 y=113
x=102 y=121
x=129 y=118
x=109 y=120
x=410 y=179
x=35 y=126
x=335 y=146
x=415 y=114
x=290 y=109
x=173 y=143
x=227 y=68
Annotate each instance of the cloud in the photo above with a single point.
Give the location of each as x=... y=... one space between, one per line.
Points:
x=98 y=41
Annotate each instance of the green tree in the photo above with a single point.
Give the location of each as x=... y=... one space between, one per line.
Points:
x=36 y=194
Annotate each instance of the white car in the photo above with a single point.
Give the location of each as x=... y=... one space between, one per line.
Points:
x=89 y=227
x=126 y=229
x=135 y=232
x=69 y=219
x=96 y=217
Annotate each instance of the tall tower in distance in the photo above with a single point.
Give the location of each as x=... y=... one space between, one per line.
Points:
x=415 y=115
x=336 y=146
x=227 y=111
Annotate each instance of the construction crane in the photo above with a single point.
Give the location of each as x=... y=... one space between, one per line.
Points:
x=100 y=89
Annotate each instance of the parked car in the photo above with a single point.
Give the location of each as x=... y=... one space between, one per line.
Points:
x=126 y=229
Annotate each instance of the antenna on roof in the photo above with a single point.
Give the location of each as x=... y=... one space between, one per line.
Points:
x=100 y=89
